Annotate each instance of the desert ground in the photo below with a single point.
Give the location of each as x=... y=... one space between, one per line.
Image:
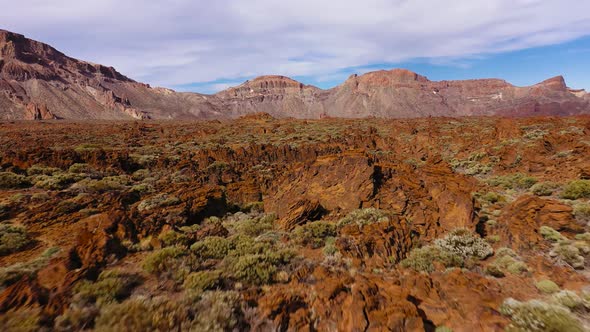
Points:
x=263 y=224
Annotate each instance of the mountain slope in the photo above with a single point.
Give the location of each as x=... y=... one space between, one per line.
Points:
x=39 y=82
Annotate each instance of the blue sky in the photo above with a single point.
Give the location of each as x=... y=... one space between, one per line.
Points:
x=521 y=68
x=206 y=46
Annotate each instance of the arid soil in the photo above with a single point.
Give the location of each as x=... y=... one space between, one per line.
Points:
x=472 y=224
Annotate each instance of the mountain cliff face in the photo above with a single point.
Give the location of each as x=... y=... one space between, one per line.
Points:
x=39 y=82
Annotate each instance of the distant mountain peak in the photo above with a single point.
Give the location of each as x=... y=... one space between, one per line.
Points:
x=554 y=83
x=39 y=82
x=387 y=78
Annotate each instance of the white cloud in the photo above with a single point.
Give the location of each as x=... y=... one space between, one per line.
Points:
x=179 y=42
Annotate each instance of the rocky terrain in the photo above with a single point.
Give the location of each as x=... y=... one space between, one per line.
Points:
x=39 y=82
x=263 y=224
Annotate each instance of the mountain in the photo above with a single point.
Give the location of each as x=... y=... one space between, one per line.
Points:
x=39 y=82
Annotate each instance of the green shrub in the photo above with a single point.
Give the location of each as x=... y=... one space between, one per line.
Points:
x=245 y=245
x=547 y=286
x=255 y=262
x=535 y=315
x=163 y=259
x=80 y=168
x=330 y=246
x=544 y=188
x=111 y=183
x=314 y=233
x=213 y=311
x=570 y=254
x=506 y=261
x=10 y=180
x=140 y=174
x=42 y=170
x=157 y=202
x=55 y=182
x=472 y=165
x=110 y=286
x=143 y=188
x=255 y=226
x=550 y=234
x=219 y=311
x=172 y=238
x=212 y=247
x=24 y=320
x=421 y=259
x=513 y=181
x=576 y=189
x=203 y=280
x=12 y=239
x=454 y=250
x=465 y=244
x=492 y=197
x=569 y=299
x=535 y=134
x=257 y=269
x=582 y=212
x=364 y=216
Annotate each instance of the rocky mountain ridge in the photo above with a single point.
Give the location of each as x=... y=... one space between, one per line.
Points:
x=39 y=82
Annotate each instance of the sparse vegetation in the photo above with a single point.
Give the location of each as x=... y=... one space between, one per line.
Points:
x=456 y=249
x=547 y=286
x=163 y=260
x=576 y=189
x=514 y=181
x=157 y=202
x=212 y=311
x=472 y=165
x=9 y=180
x=550 y=234
x=422 y=259
x=570 y=254
x=544 y=188
x=111 y=286
x=492 y=197
x=465 y=244
x=203 y=280
x=12 y=239
x=212 y=247
x=536 y=315
x=506 y=261
x=26 y=320
x=582 y=212
x=174 y=243
x=364 y=216
x=173 y=238
x=314 y=233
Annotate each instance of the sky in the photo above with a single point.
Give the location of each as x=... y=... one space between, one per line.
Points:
x=207 y=46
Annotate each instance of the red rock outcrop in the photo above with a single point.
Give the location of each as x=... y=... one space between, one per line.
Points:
x=36 y=112
x=521 y=220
